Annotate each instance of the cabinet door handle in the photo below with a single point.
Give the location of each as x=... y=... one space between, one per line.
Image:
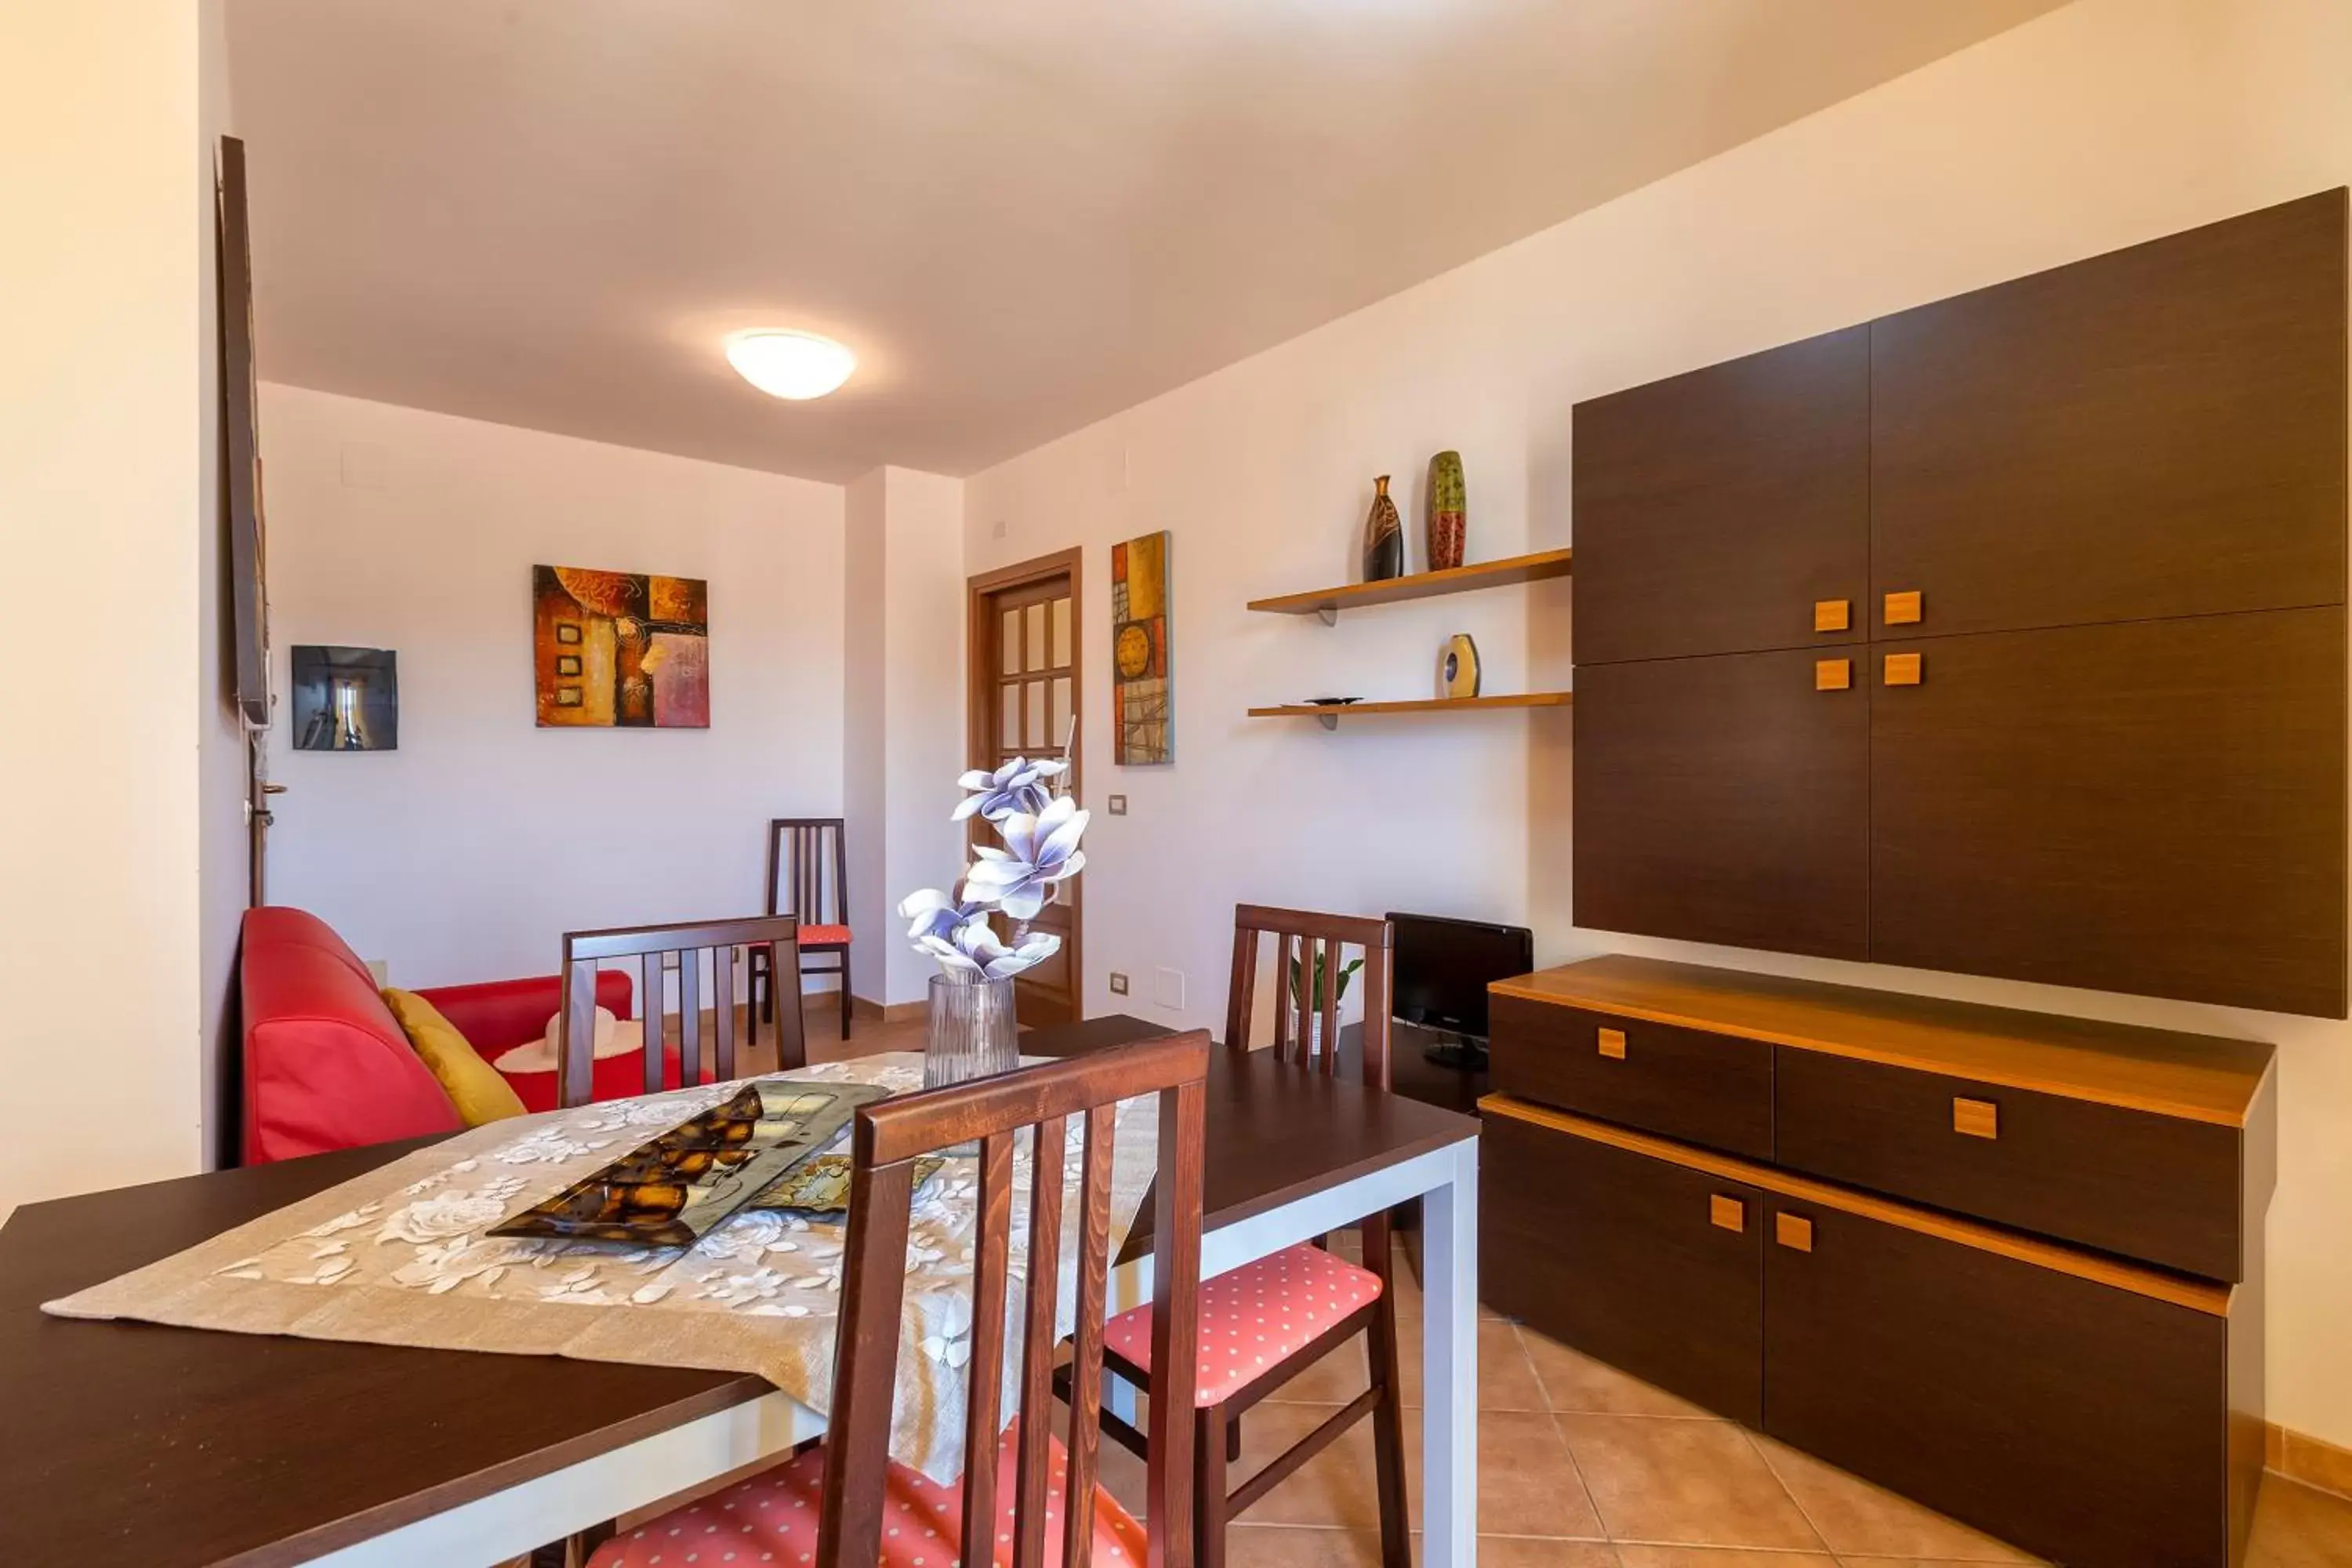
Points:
x=1904 y=669
x=1833 y=614
x=1793 y=1231
x=1833 y=674
x=1903 y=609
x=1975 y=1117
x=1726 y=1213
x=1612 y=1043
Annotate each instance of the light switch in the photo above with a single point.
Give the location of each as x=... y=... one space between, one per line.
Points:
x=1117 y=805
x=1117 y=983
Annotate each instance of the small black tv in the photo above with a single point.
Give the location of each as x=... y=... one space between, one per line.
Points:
x=1443 y=968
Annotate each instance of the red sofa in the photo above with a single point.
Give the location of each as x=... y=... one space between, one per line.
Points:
x=326 y=1065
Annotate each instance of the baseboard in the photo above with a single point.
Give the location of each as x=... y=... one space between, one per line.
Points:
x=2314 y=1461
x=876 y=1013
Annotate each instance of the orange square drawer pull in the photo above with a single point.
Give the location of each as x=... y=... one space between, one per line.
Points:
x=1612 y=1043
x=1726 y=1214
x=1793 y=1231
x=1976 y=1118
x=1831 y=615
x=1833 y=674
x=1903 y=609
x=1903 y=670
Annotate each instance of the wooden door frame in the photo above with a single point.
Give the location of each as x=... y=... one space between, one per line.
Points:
x=979 y=678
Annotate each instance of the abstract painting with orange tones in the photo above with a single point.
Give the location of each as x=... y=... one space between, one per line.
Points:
x=620 y=648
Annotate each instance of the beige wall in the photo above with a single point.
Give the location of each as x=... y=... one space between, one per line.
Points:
x=465 y=853
x=906 y=720
x=102 y=388
x=223 y=851
x=2108 y=122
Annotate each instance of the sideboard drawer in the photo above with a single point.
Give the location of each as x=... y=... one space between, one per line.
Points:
x=2163 y=1189
x=1712 y=1089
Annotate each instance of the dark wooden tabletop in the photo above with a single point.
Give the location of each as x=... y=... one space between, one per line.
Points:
x=134 y=1445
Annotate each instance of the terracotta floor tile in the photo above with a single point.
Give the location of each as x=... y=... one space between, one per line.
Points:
x=1855 y=1516
x=1720 y=1557
x=1300 y=1546
x=1335 y=1488
x=1684 y=1483
x=1506 y=1381
x=2297 y=1527
x=1576 y=1382
x=1535 y=1551
x=1527 y=1484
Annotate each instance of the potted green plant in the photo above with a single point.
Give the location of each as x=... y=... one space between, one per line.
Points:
x=1307 y=992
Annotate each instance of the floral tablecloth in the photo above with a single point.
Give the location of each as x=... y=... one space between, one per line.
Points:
x=398 y=1256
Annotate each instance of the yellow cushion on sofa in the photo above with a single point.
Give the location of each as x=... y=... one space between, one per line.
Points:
x=473 y=1085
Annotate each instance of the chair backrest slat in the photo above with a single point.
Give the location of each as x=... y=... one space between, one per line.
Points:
x=991 y=1252
x=655 y=1006
x=1311 y=951
x=1087 y=1346
x=888 y=1138
x=722 y=1016
x=689 y=1016
x=1044 y=1273
x=650 y=946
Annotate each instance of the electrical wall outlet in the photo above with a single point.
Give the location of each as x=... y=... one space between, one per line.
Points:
x=1117 y=805
x=1117 y=983
x=1168 y=987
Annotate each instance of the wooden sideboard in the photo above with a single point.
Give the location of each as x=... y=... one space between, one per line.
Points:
x=2009 y=1265
x=2004 y=636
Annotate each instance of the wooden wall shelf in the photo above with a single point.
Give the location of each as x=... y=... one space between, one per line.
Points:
x=1326 y=603
x=1330 y=717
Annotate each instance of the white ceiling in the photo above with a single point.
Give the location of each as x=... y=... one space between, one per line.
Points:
x=1022 y=215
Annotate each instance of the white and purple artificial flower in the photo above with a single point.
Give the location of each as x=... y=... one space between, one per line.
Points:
x=1039 y=851
x=1040 y=833
x=1020 y=787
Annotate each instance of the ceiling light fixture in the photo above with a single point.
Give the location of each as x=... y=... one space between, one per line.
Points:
x=797 y=365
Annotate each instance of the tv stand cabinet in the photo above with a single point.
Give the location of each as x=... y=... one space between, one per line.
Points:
x=2008 y=1264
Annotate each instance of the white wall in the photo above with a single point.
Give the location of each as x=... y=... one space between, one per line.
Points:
x=906 y=726
x=101 y=501
x=2108 y=122
x=467 y=853
x=223 y=848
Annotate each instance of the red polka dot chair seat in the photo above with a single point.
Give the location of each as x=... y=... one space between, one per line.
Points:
x=1257 y=1317
x=771 y=1517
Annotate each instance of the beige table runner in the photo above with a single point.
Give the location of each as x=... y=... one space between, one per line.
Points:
x=398 y=1256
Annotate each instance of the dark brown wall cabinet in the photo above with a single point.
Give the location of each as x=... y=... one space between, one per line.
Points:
x=1726 y=799
x=2088 y=529
x=1720 y=508
x=2008 y=1265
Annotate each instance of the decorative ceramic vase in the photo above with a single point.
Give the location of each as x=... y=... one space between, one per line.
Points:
x=1457 y=668
x=1383 y=536
x=973 y=1029
x=1449 y=515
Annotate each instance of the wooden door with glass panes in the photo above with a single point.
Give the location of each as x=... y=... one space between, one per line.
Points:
x=1024 y=704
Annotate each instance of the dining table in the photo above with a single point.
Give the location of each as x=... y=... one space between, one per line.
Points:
x=127 y=1443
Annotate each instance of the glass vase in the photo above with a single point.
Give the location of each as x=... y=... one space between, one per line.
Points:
x=972 y=1031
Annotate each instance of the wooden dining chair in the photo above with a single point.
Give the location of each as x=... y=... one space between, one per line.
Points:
x=1033 y=1496
x=653 y=947
x=800 y=851
x=1267 y=1322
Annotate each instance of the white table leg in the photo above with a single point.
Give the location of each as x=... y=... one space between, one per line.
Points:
x=1129 y=1285
x=1449 y=1353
